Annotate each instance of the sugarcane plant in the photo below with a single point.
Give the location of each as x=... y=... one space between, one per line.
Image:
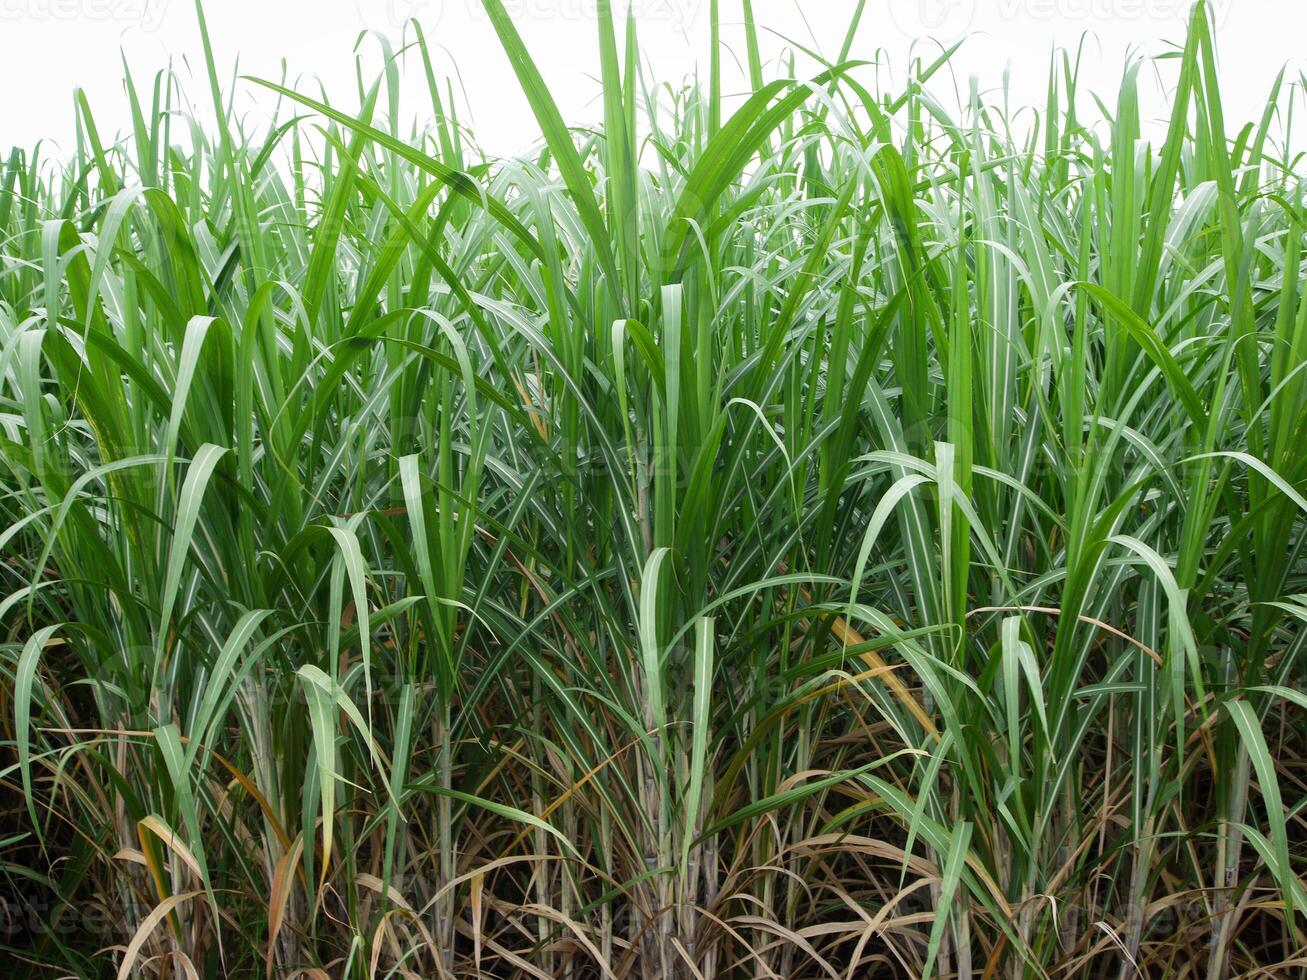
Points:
x=844 y=529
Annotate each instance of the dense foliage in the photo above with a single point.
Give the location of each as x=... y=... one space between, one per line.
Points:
x=850 y=535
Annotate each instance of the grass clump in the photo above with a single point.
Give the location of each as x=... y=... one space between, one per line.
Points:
x=847 y=535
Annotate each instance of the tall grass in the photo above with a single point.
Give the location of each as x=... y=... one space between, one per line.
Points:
x=840 y=534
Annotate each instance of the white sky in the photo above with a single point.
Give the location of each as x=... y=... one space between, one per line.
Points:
x=47 y=47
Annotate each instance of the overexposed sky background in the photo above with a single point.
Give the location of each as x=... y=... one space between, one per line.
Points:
x=49 y=47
